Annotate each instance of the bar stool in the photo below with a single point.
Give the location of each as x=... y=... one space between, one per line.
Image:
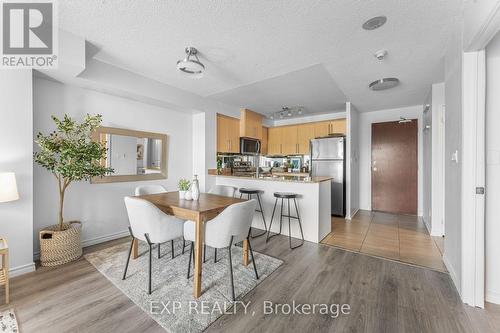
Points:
x=288 y=196
x=249 y=192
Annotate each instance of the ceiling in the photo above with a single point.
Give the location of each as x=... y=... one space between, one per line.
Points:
x=266 y=54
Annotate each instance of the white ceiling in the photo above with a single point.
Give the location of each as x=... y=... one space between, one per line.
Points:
x=264 y=54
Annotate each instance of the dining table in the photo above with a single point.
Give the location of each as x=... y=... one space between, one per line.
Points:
x=204 y=209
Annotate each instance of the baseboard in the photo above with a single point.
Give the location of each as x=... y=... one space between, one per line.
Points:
x=492 y=296
x=20 y=270
x=94 y=241
x=353 y=214
x=453 y=274
x=427 y=226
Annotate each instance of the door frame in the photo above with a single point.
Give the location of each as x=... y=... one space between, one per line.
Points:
x=418 y=151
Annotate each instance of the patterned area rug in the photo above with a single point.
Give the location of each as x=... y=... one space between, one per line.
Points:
x=171 y=303
x=8 y=322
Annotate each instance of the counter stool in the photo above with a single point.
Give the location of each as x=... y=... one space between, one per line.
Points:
x=288 y=196
x=249 y=192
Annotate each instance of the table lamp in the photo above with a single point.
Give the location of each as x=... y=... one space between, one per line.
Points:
x=8 y=192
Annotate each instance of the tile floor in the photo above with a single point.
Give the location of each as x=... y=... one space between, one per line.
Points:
x=397 y=237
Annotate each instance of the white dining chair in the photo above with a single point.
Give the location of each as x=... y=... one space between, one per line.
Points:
x=227 y=191
x=148 y=223
x=231 y=226
x=156 y=189
x=149 y=189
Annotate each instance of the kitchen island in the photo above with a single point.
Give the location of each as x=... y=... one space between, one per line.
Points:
x=313 y=201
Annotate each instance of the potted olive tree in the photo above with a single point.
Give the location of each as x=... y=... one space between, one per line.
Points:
x=70 y=155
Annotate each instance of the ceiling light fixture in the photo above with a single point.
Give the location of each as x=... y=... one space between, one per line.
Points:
x=374 y=23
x=383 y=84
x=403 y=120
x=289 y=111
x=191 y=65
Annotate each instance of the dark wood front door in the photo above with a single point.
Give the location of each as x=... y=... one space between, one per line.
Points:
x=395 y=167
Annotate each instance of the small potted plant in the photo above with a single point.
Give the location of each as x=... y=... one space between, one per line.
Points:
x=183 y=187
x=70 y=155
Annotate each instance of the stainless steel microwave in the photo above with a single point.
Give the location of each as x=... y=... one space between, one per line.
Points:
x=249 y=146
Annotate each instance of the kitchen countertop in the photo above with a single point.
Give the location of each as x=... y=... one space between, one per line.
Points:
x=291 y=178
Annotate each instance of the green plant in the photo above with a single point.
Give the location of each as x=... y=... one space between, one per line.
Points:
x=184 y=184
x=70 y=154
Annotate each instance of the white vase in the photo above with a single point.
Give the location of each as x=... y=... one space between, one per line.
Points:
x=188 y=196
x=182 y=194
x=195 y=188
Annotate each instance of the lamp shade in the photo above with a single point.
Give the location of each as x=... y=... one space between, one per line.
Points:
x=8 y=187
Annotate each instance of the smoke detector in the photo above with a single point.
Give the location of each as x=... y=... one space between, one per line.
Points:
x=374 y=23
x=380 y=54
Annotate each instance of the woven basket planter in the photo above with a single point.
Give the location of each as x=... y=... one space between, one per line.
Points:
x=59 y=247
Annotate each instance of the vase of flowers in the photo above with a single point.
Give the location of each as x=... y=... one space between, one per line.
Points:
x=183 y=188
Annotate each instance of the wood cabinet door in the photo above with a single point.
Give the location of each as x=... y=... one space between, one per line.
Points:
x=305 y=133
x=338 y=126
x=321 y=129
x=274 y=144
x=290 y=140
x=222 y=134
x=264 y=141
x=251 y=124
x=234 y=135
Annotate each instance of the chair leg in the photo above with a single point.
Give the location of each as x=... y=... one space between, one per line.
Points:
x=159 y=250
x=129 y=253
x=190 y=257
x=172 y=246
x=271 y=223
x=300 y=224
x=281 y=215
x=263 y=218
x=231 y=269
x=204 y=253
x=215 y=255
x=183 y=244
x=253 y=259
x=150 y=262
x=289 y=225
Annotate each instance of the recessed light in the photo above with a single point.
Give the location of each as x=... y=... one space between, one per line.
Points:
x=374 y=23
x=383 y=84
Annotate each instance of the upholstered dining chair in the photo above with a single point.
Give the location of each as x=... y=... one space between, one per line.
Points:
x=148 y=223
x=231 y=226
x=155 y=189
x=149 y=189
x=226 y=191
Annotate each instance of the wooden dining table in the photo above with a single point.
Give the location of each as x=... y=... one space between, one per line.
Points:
x=204 y=209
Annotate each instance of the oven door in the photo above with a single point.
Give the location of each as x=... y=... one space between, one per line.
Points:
x=249 y=146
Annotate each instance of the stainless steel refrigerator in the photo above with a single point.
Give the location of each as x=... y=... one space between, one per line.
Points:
x=327 y=159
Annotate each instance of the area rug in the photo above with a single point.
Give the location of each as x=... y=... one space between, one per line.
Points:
x=8 y=322
x=171 y=303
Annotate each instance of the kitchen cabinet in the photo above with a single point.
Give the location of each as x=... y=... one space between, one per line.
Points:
x=275 y=141
x=289 y=140
x=326 y=128
x=304 y=134
x=250 y=124
x=228 y=134
x=263 y=141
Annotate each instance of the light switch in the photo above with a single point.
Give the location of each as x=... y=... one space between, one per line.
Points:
x=454 y=156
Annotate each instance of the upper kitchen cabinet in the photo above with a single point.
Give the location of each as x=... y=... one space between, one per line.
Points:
x=228 y=134
x=264 y=141
x=304 y=135
x=251 y=124
x=289 y=141
x=275 y=141
x=326 y=128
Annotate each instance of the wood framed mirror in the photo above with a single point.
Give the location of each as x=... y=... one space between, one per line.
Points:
x=134 y=155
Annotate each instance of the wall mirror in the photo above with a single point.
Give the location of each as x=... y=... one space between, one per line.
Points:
x=134 y=155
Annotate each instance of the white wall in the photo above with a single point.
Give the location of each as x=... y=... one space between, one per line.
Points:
x=353 y=162
x=16 y=147
x=492 y=227
x=438 y=142
x=427 y=163
x=452 y=256
x=100 y=206
x=365 y=135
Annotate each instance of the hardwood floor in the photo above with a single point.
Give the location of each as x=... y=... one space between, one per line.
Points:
x=397 y=237
x=384 y=296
